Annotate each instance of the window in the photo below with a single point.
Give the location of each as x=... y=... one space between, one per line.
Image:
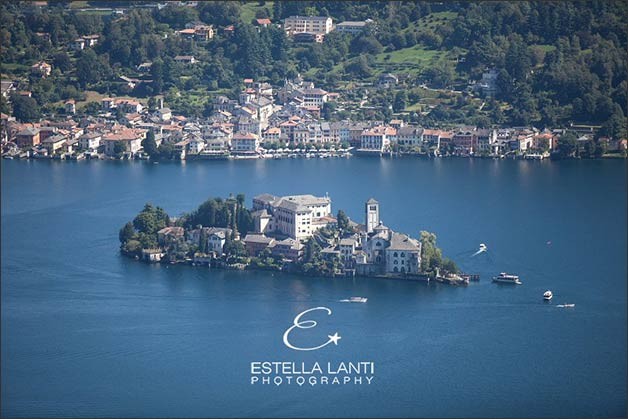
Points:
x=395 y=254
x=403 y=255
x=378 y=244
x=396 y=262
x=396 y=269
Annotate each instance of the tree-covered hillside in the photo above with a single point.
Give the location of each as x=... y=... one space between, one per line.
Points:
x=557 y=62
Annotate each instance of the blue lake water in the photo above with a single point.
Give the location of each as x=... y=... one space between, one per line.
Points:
x=86 y=332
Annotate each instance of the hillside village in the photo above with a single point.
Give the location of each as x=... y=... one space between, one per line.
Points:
x=264 y=122
x=298 y=114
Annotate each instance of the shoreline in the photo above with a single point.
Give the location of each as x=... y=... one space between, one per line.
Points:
x=312 y=156
x=421 y=278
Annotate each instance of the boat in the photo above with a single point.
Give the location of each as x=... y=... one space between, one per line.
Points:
x=358 y=300
x=547 y=295
x=355 y=300
x=482 y=247
x=565 y=305
x=504 y=278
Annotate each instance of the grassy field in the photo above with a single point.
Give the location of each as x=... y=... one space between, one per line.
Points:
x=407 y=60
x=249 y=9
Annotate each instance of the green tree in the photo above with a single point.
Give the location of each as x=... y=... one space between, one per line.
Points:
x=312 y=250
x=343 y=221
x=127 y=232
x=88 y=68
x=149 y=144
x=25 y=109
x=401 y=101
x=450 y=266
x=567 y=144
x=165 y=150
x=150 y=220
x=119 y=148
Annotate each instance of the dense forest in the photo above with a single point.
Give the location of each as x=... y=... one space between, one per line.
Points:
x=558 y=62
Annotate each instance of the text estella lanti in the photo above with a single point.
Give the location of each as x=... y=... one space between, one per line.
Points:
x=303 y=368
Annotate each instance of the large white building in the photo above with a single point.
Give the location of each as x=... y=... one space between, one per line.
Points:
x=297 y=216
x=310 y=24
x=245 y=143
x=377 y=138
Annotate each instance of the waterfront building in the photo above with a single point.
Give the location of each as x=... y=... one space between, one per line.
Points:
x=256 y=243
x=465 y=140
x=28 y=137
x=130 y=137
x=485 y=139
x=54 y=143
x=403 y=254
x=90 y=141
x=380 y=250
x=409 y=135
x=288 y=248
x=377 y=139
x=245 y=143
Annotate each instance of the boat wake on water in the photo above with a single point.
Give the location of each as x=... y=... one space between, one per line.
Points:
x=482 y=249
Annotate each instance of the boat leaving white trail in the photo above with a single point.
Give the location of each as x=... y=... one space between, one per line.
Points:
x=482 y=249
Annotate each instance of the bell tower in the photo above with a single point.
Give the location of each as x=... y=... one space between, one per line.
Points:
x=371 y=209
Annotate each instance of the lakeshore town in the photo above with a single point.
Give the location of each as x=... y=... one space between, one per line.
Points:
x=263 y=122
x=296 y=233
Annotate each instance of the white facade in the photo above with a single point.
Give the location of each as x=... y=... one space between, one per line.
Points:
x=311 y=24
x=90 y=141
x=371 y=215
x=297 y=216
x=245 y=143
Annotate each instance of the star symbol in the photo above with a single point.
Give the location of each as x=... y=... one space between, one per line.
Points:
x=334 y=338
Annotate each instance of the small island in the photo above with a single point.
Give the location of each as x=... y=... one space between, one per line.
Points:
x=296 y=233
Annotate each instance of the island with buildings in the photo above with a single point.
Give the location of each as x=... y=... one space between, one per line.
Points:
x=296 y=233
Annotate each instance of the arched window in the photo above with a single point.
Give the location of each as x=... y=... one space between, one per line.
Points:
x=403 y=255
x=395 y=254
x=396 y=262
x=378 y=244
x=403 y=270
x=396 y=269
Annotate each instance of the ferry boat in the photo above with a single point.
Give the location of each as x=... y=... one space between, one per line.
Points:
x=547 y=295
x=505 y=278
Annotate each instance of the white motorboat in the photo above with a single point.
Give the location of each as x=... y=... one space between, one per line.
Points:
x=355 y=300
x=565 y=305
x=547 y=295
